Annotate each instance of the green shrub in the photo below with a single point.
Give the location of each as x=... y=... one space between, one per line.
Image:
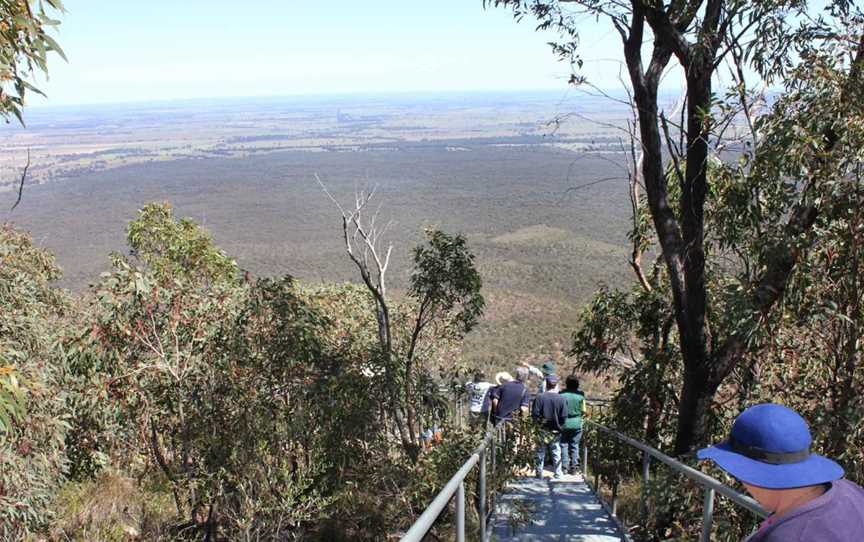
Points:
x=32 y=458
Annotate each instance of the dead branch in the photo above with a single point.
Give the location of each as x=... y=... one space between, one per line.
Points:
x=362 y=239
x=21 y=183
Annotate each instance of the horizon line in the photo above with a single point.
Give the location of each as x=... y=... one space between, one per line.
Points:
x=333 y=95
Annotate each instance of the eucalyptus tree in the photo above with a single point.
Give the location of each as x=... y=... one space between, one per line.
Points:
x=29 y=308
x=184 y=346
x=762 y=40
x=25 y=42
x=33 y=418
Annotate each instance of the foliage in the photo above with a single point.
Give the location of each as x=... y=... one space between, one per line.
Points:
x=445 y=280
x=173 y=345
x=445 y=286
x=720 y=289
x=32 y=458
x=112 y=508
x=32 y=418
x=170 y=345
x=177 y=249
x=193 y=350
x=24 y=46
x=12 y=400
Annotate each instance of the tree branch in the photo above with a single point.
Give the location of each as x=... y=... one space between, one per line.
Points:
x=21 y=183
x=668 y=33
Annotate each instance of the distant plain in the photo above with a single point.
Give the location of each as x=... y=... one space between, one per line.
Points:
x=544 y=205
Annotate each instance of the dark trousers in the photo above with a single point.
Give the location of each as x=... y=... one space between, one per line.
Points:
x=570 y=439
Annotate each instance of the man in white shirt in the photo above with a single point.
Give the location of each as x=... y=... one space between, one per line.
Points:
x=477 y=390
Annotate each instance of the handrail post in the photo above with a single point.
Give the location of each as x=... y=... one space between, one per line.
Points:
x=460 y=513
x=494 y=444
x=482 y=494
x=707 y=514
x=584 y=457
x=643 y=490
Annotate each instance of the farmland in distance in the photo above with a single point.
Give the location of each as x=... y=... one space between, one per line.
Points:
x=544 y=206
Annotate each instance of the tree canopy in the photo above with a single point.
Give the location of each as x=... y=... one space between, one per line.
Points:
x=672 y=159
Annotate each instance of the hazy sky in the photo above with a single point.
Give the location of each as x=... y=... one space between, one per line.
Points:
x=124 y=50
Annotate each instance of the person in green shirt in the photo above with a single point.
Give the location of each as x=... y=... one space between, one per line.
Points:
x=571 y=434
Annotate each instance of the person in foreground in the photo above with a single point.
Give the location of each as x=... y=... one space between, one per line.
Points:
x=768 y=450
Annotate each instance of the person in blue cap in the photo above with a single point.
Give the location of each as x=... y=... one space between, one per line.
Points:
x=768 y=450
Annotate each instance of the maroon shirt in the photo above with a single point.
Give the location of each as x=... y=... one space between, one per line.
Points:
x=835 y=516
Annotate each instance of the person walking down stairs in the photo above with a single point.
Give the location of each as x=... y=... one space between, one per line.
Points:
x=510 y=398
x=571 y=433
x=550 y=409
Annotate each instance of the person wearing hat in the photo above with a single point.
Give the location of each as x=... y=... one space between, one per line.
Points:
x=768 y=450
x=486 y=410
x=545 y=370
x=502 y=377
x=550 y=409
x=510 y=397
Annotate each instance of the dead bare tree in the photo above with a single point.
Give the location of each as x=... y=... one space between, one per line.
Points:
x=364 y=243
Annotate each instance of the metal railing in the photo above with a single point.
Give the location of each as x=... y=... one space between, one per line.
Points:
x=456 y=487
x=710 y=486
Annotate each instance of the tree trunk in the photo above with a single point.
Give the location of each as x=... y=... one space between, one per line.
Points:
x=697 y=394
x=697 y=391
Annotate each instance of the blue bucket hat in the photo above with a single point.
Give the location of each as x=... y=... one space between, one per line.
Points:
x=769 y=447
x=548 y=368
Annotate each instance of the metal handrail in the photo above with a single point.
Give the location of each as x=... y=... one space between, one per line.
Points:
x=710 y=485
x=456 y=486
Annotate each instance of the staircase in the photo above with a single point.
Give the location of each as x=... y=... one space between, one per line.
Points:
x=547 y=509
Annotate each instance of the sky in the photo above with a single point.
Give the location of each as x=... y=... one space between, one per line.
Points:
x=128 y=51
